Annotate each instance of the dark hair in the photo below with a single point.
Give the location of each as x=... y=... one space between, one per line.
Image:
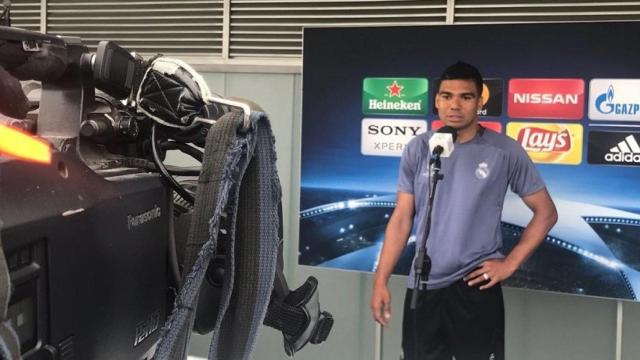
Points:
x=462 y=71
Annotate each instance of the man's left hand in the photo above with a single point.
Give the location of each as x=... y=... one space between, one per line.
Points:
x=490 y=272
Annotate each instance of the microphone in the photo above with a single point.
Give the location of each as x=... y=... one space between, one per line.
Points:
x=441 y=143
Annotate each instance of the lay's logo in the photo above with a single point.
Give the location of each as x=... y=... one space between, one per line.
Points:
x=543 y=140
x=549 y=143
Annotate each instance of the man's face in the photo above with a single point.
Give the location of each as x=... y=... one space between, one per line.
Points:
x=458 y=103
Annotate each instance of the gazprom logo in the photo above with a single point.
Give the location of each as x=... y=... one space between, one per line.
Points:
x=604 y=102
x=605 y=105
x=614 y=99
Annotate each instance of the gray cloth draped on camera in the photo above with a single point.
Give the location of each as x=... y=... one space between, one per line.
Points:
x=247 y=199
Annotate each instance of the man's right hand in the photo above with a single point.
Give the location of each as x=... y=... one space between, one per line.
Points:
x=395 y=240
x=381 y=304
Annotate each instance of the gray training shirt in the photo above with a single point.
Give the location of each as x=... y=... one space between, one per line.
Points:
x=465 y=224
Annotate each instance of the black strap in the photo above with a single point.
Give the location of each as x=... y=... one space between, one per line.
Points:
x=299 y=318
x=289 y=319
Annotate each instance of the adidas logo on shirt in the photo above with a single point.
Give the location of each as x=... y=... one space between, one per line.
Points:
x=627 y=151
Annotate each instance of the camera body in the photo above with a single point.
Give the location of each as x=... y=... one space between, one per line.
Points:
x=96 y=240
x=85 y=236
x=87 y=259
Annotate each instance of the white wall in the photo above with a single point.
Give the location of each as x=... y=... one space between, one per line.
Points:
x=540 y=326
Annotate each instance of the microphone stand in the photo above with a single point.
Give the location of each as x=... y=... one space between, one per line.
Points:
x=422 y=265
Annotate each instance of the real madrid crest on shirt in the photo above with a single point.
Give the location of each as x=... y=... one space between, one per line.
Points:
x=482 y=172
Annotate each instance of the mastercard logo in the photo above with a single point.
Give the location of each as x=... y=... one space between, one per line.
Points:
x=549 y=143
x=486 y=94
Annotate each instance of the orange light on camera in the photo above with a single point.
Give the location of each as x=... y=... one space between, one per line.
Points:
x=25 y=147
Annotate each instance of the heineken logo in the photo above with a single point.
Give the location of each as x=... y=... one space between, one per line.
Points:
x=395 y=89
x=394 y=105
x=394 y=96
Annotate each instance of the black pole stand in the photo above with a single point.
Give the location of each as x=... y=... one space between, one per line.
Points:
x=422 y=265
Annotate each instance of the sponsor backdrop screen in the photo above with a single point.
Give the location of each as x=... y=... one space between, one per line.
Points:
x=569 y=93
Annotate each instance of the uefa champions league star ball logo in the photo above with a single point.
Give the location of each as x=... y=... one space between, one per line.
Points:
x=482 y=172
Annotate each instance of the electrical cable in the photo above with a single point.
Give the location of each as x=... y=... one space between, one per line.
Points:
x=163 y=170
x=173 y=252
x=185 y=148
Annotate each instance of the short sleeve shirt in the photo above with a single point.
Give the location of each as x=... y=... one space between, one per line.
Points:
x=465 y=223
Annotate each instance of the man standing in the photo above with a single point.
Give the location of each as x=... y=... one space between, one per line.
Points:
x=461 y=312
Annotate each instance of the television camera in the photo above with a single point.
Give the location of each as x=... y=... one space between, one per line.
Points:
x=92 y=222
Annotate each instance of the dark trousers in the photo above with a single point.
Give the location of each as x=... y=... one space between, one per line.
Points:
x=458 y=320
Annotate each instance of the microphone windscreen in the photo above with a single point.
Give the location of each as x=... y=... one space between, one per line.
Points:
x=449 y=130
x=444 y=139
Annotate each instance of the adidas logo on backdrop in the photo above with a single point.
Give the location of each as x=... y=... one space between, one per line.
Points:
x=627 y=150
x=614 y=148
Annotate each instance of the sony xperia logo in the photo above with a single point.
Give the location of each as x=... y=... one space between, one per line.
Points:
x=388 y=137
x=546 y=99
